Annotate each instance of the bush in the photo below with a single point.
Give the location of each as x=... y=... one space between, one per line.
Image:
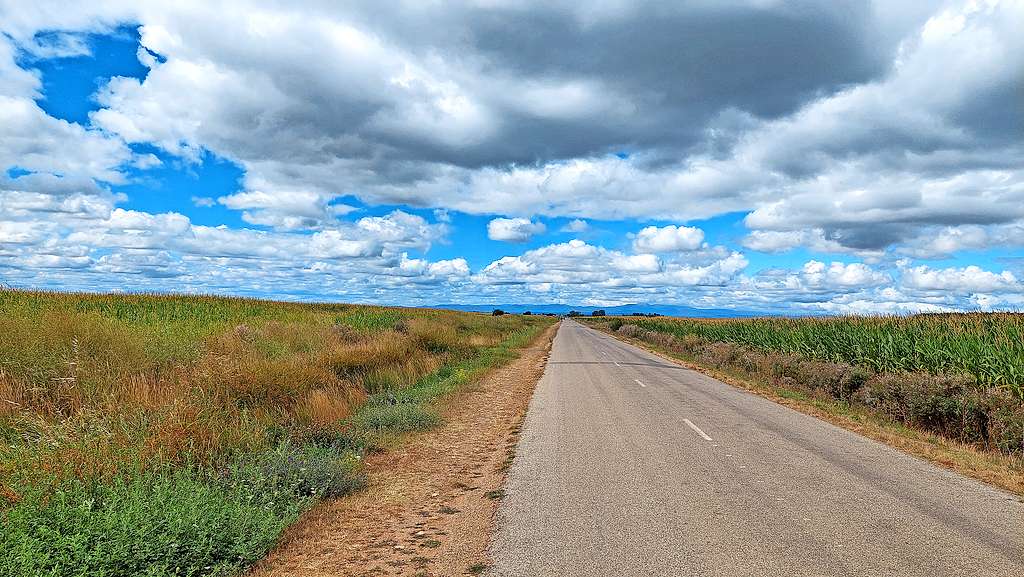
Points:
x=497 y=312
x=310 y=471
x=719 y=355
x=615 y=324
x=632 y=331
x=1006 y=424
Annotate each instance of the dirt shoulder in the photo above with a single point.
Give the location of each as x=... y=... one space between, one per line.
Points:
x=431 y=501
x=995 y=469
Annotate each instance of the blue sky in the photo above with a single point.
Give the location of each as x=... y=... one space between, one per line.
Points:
x=817 y=163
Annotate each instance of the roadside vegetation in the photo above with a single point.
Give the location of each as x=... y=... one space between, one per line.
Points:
x=960 y=376
x=176 y=435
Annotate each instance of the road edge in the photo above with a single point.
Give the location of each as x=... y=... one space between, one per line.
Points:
x=431 y=504
x=992 y=469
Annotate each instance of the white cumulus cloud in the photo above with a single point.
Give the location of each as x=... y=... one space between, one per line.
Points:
x=670 y=238
x=514 y=229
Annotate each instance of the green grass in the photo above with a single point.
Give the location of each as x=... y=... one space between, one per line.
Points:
x=396 y=418
x=989 y=348
x=179 y=435
x=170 y=522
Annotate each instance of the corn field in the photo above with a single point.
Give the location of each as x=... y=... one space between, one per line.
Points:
x=988 y=347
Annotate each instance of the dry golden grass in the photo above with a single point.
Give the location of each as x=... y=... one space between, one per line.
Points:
x=324 y=407
x=92 y=384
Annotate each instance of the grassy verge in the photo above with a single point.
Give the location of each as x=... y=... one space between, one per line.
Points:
x=393 y=412
x=808 y=390
x=153 y=435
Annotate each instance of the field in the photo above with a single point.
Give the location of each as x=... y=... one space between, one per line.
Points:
x=958 y=375
x=162 y=435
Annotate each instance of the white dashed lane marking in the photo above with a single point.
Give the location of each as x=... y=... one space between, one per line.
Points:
x=690 y=424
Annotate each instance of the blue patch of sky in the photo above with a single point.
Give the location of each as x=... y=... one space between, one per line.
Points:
x=172 y=186
x=69 y=83
x=16 y=171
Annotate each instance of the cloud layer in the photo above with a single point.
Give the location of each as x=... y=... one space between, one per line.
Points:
x=833 y=128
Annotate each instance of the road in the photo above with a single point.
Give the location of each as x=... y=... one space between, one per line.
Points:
x=631 y=465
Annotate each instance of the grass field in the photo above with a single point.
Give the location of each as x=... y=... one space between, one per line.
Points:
x=166 y=435
x=957 y=375
x=988 y=348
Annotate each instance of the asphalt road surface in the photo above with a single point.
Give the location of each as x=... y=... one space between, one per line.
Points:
x=631 y=465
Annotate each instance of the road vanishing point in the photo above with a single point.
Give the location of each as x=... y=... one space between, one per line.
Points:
x=629 y=464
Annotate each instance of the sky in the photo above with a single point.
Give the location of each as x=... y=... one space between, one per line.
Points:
x=800 y=157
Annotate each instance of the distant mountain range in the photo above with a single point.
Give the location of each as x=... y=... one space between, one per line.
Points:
x=561 y=309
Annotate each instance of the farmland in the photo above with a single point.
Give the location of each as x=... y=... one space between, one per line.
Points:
x=166 y=435
x=958 y=375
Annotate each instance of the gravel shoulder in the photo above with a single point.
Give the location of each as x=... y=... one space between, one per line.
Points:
x=431 y=501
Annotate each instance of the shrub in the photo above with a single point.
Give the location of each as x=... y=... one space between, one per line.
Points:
x=288 y=471
x=661 y=339
x=1006 y=424
x=632 y=331
x=691 y=343
x=718 y=354
x=497 y=312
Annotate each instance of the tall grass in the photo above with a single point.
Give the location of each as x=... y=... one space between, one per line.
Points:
x=988 y=348
x=111 y=404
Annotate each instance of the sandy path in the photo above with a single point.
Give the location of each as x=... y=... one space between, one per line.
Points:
x=431 y=501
